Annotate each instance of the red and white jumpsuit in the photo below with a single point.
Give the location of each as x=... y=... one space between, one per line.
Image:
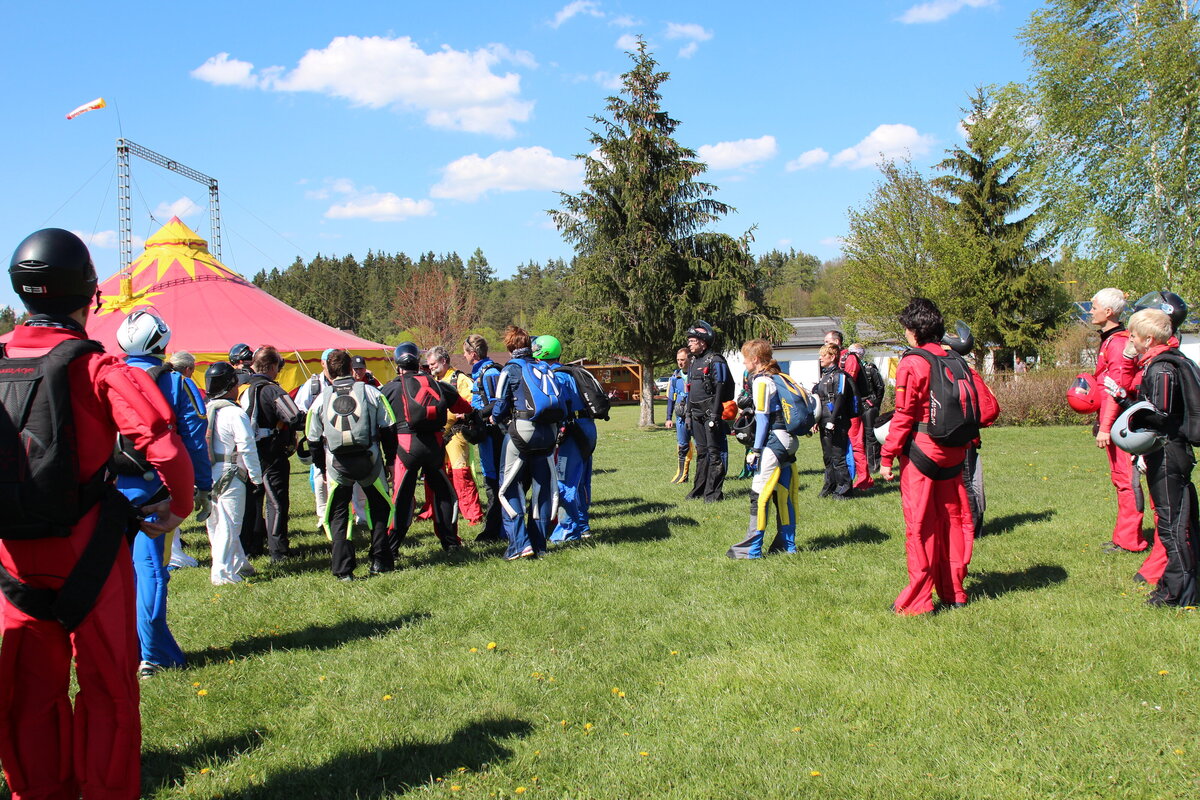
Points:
x=939 y=533
x=1110 y=363
x=49 y=750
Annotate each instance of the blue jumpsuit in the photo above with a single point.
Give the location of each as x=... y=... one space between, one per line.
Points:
x=533 y=461
x=149 y=568
x=574 y=464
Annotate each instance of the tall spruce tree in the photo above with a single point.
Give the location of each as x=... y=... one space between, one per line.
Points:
x=646 y=266
x=1014 y=300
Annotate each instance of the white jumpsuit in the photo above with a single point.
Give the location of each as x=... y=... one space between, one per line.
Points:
x=235 y=459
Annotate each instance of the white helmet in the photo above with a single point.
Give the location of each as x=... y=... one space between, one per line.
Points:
x=882 y=426
x=143 y=333
x=1128 y=435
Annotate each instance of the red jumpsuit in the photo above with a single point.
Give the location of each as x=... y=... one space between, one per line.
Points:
x=48 y=750
x=852 y=366
x=1127 y=532
x=939 y=533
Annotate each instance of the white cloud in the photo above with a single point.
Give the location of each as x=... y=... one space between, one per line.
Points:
x=731 y=155
x=575 y=8
x=608 y=80
x=690 y=31
x=455 y=89
x=885 y=142
x=367 y=203
x=625 y=21
x=182 y=208
x=525 y=168
x=938 y=10
x=221 y=70
x=627 y=41
x=108 y=240
x=809 y=158
x=832 y=241
x=380 y=207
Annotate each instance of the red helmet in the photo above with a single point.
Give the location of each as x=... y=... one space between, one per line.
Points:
x=1084 y=394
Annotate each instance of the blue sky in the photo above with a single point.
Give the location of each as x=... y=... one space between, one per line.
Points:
x=413 y=126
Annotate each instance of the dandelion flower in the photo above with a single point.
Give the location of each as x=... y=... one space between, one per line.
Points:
x=563 y=723
x=321 y=678
x=196 y=684
x=1178 y=752
x=1163 y=672
x=815 y=774
x=519 y=790
x=462 y=769
x=455 y=788
x=202 y=693
x=615 y=690
x=231 y=661
x=491 y=645
x=205 y=770
x=674 y=652
x=387 y=697
x=795 y=730
x=587 y=726
x=643 y=754
x=621 y=695
x=473 y=650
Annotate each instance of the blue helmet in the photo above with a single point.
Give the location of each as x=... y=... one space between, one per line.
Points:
x=407 y=356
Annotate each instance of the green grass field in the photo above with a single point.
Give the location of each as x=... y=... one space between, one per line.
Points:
x=643 y=663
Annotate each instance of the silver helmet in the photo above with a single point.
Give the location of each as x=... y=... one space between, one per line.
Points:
x=1130 y=436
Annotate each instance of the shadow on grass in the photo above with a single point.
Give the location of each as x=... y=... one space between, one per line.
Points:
x=472 y=552
x=393 y=770
x=314 y=637
x=614 y=501
x=998 y=584
x=163 y=768
x=1010 y=522
x=861 y=534
x=640 y=508
x=652 y=531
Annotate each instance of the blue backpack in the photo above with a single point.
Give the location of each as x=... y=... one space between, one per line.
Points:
x=796 y=406
x=541 y=395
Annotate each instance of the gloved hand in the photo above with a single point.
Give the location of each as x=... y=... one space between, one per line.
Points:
x=1114 y=389
x=1130 y=351
x=202 y=501
x=828 y=426
x=752 y=458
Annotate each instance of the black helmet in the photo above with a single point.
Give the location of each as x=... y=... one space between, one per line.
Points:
x=961 y=341
x=220 y=378
x=240 y=352
x=701 y=330
x=407 y=356
x=52 y=272
x=1168 y=302
x=744 y=428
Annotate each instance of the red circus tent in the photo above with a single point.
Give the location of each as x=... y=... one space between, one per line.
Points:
x=210 y=308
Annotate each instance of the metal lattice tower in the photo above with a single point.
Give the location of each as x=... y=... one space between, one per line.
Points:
x=125 y=148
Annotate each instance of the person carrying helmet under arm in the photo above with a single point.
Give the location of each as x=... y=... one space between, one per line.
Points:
x=351 y=434
x=144 y=335
x=485 y=373
x=235 y=465
x=421 y=405
x=275 y=419
x=1168 y=379
x=1107 y=307
x=931 y=448
x=66 y=572
x=772 y=456
x=458 y=449
x=677 y=414
x=710 y=386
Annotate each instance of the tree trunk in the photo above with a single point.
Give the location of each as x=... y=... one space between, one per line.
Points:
x=646 y=418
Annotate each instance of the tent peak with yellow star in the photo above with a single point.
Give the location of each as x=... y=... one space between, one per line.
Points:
x=210 y=308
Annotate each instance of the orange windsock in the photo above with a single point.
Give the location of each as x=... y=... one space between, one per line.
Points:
x=97 y=103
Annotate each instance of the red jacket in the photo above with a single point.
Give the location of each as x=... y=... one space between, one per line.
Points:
x=1112 y=364
x=912 y=407
x=106 y=397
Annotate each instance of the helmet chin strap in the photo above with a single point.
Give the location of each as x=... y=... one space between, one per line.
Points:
x=97 y=309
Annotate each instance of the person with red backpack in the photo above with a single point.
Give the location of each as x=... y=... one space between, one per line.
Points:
x=66 y=572
x=941 y=403
x=421 y=404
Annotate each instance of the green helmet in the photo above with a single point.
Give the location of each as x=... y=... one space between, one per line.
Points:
x=546 y=347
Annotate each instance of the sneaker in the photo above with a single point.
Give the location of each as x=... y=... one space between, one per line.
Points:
x=345 y=578
x=526 y=553
x=247 y=571
x=147 y=670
